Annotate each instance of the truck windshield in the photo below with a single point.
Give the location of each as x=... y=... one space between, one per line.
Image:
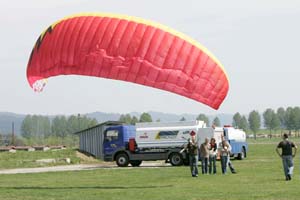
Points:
x=111 y=135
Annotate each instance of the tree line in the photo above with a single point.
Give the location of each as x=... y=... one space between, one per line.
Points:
x=40 y=128
x=272 y=120
x=37 y=128
x=128 y=119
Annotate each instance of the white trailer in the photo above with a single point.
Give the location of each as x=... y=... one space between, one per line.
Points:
x=158 y=135
x=167 y=134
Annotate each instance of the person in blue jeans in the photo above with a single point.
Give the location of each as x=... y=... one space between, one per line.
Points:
x=224 y=153
x=225 y=149
x=204 y=154
x=212 y=156
x=192 y=150
x=287 y=156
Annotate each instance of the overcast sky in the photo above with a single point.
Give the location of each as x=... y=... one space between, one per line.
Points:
x=258 y=42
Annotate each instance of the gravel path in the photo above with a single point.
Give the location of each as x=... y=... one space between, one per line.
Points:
x=79 y=167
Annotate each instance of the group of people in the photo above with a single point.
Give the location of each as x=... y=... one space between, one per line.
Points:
x=208 y=152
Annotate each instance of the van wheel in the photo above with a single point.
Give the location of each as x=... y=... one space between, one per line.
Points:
x=135 y=163
x=122 y=160
x=242 y=155
x=176 y=159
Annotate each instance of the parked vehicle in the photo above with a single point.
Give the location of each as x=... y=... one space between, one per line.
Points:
x=237 y=140
x=128 y=144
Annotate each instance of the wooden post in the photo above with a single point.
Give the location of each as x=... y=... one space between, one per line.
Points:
x=13 y=133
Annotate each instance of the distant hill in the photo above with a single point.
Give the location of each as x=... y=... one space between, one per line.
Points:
x=102 y=117
x=7 y=118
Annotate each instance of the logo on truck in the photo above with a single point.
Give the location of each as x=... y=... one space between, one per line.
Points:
x=144 y=136
x=166 y=135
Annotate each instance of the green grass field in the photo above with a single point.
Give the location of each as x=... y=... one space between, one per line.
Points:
x=22 y=159
x=25 y=159
x=259 y=176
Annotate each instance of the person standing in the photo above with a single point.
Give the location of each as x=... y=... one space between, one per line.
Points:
x=224 y=156
x=212 y=156
x=204 y=154
x=192 y=150
x=225 y=151
x=287 y=156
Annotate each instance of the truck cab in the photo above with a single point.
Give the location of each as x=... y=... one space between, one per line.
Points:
x=116 y=139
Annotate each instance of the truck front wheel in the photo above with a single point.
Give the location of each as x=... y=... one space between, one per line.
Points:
x=122 y=160
x=135 y=163
x=176 y=159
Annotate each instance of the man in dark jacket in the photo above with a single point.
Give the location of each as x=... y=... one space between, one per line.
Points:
x=287 y=156
x=192 y=149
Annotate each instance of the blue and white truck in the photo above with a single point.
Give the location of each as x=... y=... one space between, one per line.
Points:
x=236 y=138
x=128 y=144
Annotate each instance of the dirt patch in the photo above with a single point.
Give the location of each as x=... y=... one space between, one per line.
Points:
x=86 y=158
x=89 y=159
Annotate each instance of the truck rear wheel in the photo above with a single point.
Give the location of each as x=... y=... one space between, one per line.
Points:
x=135 y=163
x=242 y=155
x=122 y=160
x=176 y=159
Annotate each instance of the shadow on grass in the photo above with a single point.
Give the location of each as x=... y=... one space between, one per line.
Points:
x=86 y=187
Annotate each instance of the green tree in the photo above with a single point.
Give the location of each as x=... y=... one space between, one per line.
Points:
x=254 y=122
x=244 y=124
x=125 y=119
x=145 y=117
x=203 y=117
x=26 y=127
x=216 y=121
x=35 y=128
x=134 y=120
x=77 y=123
x=281 y=114
x=72 y=124
x=268 y=116
x=236 y=120
x=275 y=123
x=45 y=126
x=59 y=126
x=295 y=118
x=86 y=122
x=182 y=119
x=288 y=119
x=92 y=122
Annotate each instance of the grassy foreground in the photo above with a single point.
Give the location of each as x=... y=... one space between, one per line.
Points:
x=260 y=176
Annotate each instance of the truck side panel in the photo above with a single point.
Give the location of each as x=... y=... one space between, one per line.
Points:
x=148 y=156
x=237 y=147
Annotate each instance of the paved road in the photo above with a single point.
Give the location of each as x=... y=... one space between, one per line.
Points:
x=78 y=167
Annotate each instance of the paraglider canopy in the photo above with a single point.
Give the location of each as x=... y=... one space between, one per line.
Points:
x=128 y=49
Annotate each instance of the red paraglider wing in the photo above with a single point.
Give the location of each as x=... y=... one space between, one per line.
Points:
x=129 y=49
